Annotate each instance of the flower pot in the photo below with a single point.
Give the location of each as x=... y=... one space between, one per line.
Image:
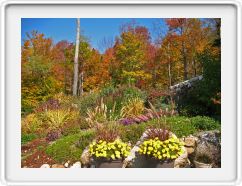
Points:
x=108 y=163
x=142 y=161
x=202 y=165
x=154 y=163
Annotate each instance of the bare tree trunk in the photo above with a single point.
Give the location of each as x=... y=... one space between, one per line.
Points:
x=65 y=74
x=169 y=66
x=185 y=76
x=75 y=79
x=81 y=77
x=194 y=67
x=169 y=73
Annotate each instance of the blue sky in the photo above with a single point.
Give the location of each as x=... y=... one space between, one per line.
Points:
x=95 y=29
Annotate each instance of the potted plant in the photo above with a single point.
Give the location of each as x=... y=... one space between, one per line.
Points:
x=160 y=149
x=108 y=151
x=109 y=154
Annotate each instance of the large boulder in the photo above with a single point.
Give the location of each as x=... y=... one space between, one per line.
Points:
x=209 y=148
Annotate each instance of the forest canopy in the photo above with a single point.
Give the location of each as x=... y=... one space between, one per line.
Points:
x=189 y=48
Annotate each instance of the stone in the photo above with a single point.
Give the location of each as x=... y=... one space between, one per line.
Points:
x=190 y=150
x=209 y=147
x=86 y=157
x=77 y=165
x=57 y=166
x=182 y=161
x=45 y=166
x=66 y=164
x=190 y=141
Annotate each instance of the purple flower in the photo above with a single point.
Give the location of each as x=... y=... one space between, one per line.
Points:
x=126 y=121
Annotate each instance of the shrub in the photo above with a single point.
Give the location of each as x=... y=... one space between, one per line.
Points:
x=100 y=114
x=53 y=135
x=51 y=104
x=120 y=95
x=161 y=134
x=87 y=101
x=133 y=92
x=97 y=115
x=37 y=83
x=109 y=150
x=205 y=123
x=133 y=107
x=109 y=131
x=107 y=90
x=55 y=119
x=132 y=133
x=181 y=126
x=159 y=99
x=200 y=98
x=184 y=126
x=74 y=126
x=27 y=137
x=66 y=148
x=31 y=124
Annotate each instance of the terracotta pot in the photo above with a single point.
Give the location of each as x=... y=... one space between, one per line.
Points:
x=202 y=165
x=108 y=163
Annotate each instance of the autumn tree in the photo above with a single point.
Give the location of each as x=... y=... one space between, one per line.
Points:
x=63 y=54
x=204 y=98
x=37 y=82
x=129 y=56
x=193 y=37
x=170 y=59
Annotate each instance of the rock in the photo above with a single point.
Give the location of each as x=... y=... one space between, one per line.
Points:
x=86 y=157
x=182 y=161
x=77 y=165
x=190 y=150
x=66 y=164
x=190 y=141
x=57 y=166
x=209 y=148
x=131 y=157
x=45 y=166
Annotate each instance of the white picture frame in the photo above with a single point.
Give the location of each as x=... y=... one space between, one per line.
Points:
x=228 y=11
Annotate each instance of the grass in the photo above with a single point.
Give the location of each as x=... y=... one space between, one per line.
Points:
x=69 y=148
x=25 y=138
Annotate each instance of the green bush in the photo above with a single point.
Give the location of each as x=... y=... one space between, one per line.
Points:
x=132 y=133
x=72 y=127
x=86 y=101
x=205 y=123
x=119 y=96
x=133 y=92
x=66 y=148
x=181 y=126
x=27 y=137
x=199 y=99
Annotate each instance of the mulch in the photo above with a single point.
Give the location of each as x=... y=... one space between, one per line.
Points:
x=33 y=154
